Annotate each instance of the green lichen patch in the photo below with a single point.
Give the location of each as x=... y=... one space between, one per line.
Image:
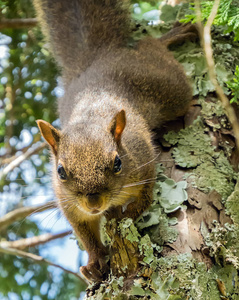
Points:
x=212 y=170
x=103 y=235
x=213 y=176
x=128 y=230
x=191 y=56
x=228 y=281
x=211 y=108
x=214 y=114
x=147 y=248
x=181 y=277
x=232 y=205
x=226 y=56
x=168 y=196
x=156 y=224
x=192 y=142
x=223 y=243
x=193 y=145
x=111 y=289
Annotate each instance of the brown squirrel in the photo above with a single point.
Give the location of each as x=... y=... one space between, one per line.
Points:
x=104 y=157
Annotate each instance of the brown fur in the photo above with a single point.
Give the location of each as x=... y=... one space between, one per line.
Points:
x=114 y=96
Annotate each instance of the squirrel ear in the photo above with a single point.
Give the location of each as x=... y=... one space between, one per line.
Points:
x=50 y=134
x=117 y=125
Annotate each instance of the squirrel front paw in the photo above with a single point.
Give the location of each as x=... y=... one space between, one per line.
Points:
x=96 y=270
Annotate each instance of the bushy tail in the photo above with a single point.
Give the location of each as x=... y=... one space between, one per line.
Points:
x=77 y=29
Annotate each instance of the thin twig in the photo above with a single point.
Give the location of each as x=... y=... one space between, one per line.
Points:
x=11 y=95
x=33 y=241
x=199 y=19
x=207 y=46
x=16 y=162
x=18 y=23
x=39 y=259
x=23 y=212
x=5 y=159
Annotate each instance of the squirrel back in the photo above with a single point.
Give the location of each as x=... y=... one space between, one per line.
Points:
x=145 y=78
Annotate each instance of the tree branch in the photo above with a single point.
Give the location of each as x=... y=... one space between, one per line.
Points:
x=23 y=212
x=18 y=23
x=33 y=241
x=39 y=259
x=5 y=159
x=16 y=162
x=207 y=46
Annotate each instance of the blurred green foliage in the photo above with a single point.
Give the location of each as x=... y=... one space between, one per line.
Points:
x=29 y=76
x=228 y=15
x=233 y=85
x=28 y=80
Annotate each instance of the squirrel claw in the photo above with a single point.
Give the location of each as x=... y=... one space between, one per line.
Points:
x=95 y=271
x=91 y=273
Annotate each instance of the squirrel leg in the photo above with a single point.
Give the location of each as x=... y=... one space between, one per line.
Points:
x=136 y=208
x=179 y=34
x=89 y=234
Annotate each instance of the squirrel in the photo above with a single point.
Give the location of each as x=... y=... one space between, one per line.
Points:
x=115 y=94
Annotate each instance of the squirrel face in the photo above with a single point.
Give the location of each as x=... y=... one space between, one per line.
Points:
x=88 y=169
x=90 y=166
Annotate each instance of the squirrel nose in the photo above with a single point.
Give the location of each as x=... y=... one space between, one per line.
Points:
x=93 y=200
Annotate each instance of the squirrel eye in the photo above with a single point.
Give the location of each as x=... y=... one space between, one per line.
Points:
x=117 y=165
x=61 y=172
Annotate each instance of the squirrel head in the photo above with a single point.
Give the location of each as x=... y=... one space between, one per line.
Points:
x=89 y=164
